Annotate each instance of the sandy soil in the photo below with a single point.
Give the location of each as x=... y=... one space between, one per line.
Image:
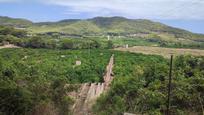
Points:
x=166 y=52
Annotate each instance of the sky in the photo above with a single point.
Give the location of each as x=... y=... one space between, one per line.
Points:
x=186 y=14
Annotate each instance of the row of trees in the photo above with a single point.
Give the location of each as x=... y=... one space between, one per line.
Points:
x=50 y=43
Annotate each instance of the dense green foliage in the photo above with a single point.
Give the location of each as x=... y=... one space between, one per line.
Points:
x=32 y=81
x=140 y=86
x=13 y=32
x=61 y=63
x=9 y=34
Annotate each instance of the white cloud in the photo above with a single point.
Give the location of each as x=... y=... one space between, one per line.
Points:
x=154 y=9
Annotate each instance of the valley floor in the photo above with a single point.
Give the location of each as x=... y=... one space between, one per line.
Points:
x=166 y=52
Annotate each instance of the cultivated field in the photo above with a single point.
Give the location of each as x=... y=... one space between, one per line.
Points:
x=166 y=52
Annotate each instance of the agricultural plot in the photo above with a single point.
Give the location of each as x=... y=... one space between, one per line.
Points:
x=76 y=66
x=39 y=78
x=166 y=52
x=122 y=41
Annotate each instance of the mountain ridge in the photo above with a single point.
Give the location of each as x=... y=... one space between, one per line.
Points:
x=64 y=21
x=102 y=25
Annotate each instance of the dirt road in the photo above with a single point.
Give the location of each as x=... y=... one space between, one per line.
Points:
x=89 y=92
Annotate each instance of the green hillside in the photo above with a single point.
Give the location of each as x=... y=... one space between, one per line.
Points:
x=116 y=27
x=16 y=22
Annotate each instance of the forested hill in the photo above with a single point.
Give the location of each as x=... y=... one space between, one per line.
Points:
x=103 y=25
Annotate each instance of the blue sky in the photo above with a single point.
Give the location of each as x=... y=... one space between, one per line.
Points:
x=186 y=14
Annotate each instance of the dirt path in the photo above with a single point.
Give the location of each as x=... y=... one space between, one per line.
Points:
x=89 y=92
x=9 y=46
x=79 y=105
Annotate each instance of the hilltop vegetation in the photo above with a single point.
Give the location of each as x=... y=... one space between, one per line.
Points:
x=16 y=22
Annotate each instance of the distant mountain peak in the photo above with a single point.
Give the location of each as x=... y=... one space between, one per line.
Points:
x=107 y=21
x=70 y=20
